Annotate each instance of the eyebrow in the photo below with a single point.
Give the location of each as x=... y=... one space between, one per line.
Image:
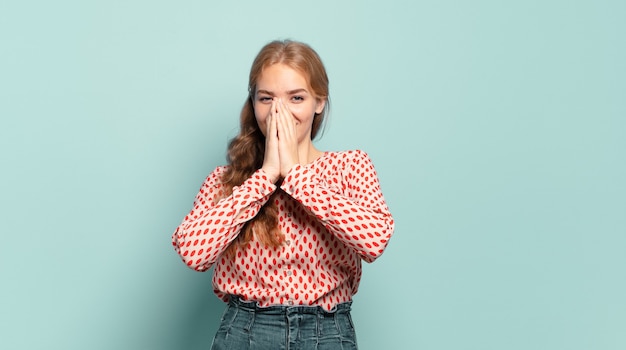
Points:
x=290 y=92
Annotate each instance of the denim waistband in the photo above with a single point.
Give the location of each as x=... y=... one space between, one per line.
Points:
x=253 y=306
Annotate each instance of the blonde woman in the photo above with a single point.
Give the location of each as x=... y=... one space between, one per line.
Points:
x=284 y=224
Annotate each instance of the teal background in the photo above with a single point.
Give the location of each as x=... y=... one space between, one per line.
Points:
x=497 y=129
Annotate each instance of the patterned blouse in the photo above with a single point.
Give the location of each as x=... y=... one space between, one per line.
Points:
x=332 y=213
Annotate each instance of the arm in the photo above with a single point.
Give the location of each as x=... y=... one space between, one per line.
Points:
x=210 y=227
x=349 y=204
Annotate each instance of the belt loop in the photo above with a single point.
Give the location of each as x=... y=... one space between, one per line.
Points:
x=251 y=315
x=335 y=319
x=320 y=322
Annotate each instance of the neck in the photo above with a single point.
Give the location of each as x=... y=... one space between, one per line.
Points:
x=307 y=152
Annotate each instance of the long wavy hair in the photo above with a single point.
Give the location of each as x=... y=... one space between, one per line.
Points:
x=246 y=150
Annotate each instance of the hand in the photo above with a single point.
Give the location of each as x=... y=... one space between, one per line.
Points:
x=271 y=160
x=287 y=138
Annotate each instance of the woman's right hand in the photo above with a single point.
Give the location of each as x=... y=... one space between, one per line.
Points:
x=271 y=160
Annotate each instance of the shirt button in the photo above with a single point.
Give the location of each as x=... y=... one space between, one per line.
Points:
x=288 y=215
x=289 y=273
x=290 y=302
x=288 y=242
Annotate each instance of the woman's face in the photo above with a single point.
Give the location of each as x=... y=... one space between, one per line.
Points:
x=282 y=82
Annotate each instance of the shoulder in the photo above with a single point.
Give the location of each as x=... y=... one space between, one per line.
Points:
x=218 y=171
x=215 y=177
x=347 y=157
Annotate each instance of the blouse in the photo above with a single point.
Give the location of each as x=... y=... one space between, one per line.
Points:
x=331 y=211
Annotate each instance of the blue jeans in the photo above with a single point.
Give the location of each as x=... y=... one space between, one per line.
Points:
x=245 y=325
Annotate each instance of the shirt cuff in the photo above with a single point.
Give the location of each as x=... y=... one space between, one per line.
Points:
x=297 y=179
x=260 y=184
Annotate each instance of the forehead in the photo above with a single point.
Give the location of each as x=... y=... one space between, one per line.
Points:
x=279 y=76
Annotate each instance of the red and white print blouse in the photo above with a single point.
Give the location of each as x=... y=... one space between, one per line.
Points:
x=332 y=213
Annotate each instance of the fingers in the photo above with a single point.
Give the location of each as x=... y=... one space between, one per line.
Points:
x=287 y=137
x=271 y=122
x=286 y=121
x=271 y=161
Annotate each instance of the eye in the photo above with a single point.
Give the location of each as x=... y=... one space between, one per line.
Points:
x=297 y=99
x=265 y=99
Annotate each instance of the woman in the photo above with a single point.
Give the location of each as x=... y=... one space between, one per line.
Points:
x=285 y=224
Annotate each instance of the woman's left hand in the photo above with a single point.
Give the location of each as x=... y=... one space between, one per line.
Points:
x=287 y=138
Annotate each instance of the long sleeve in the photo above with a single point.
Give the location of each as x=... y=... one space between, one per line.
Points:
x=347 y=199
x=210 y=226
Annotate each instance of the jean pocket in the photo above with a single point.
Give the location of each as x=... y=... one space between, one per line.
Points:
x=350 y=322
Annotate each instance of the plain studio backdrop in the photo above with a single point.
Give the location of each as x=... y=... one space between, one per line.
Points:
x=497 y=128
